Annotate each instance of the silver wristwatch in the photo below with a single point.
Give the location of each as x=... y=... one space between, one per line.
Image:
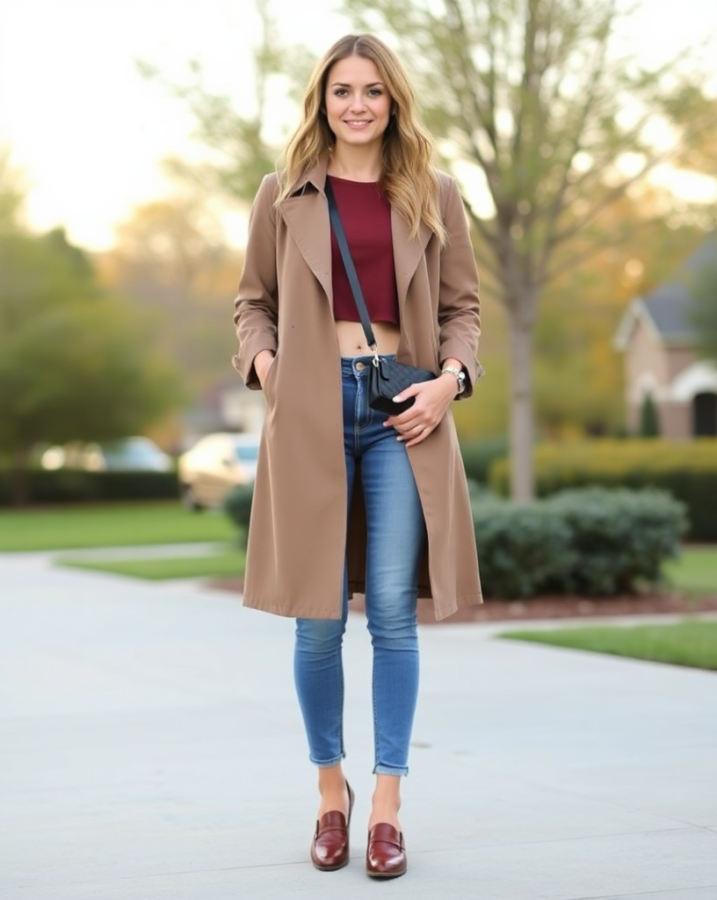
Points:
x=458 y=374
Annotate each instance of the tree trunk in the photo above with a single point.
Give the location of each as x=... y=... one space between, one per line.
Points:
x=521 y=407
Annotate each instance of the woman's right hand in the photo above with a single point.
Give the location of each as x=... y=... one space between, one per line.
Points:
x=263 y=361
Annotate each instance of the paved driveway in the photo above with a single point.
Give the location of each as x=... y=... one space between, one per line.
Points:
x=151 y=747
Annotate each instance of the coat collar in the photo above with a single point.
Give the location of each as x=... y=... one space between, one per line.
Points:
x=306 y=214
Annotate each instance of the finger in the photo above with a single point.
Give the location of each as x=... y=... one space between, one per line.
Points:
x=419 y=438
x=415 y=426
x=407 y=392
x=415 y=434
x=403 y=421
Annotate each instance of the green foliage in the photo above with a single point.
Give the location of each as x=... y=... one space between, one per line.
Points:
x=75 y=364
x=172 y=267
x=486 y=411
x=649 y=419
x=620 y=537
x=478 y=454
x=703 y=313
x=594 y=542
x=76 y=486
x=685 y=469
x=520 y=548
x=237 y=505
x=12 y=193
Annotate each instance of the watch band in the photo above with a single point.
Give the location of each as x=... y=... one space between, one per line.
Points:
x=458 y=374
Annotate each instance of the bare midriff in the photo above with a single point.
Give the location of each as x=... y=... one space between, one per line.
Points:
x=352 y=340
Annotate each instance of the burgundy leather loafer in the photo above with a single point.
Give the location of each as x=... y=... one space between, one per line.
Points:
x=386 y=852
x=330 y=845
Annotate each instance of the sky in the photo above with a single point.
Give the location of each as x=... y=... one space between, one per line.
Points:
x=90 y=133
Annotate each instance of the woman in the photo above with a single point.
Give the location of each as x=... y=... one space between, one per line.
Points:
x=348 y=500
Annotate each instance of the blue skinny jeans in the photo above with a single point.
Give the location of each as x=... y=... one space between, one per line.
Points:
x=396 y=537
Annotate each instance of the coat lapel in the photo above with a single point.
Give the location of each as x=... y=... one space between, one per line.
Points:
x=407 y=253
x=306 y=214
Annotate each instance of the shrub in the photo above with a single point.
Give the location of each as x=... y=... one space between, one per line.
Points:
x=619 y=537
x=649 y=418
x=520 y=548
x=685 y=469
x=596 y=542
x=480 y=453
x=74 y=486
x=237 y=505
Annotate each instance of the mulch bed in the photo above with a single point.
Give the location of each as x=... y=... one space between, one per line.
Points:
x=546 y=607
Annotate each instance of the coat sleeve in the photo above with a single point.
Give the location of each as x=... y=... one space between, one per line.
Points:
x=458 y=301
x=255 y=307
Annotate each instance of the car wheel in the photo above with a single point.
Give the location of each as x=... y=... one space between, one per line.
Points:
x=189 y=500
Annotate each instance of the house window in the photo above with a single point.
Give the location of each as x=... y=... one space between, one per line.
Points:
x=704 y=415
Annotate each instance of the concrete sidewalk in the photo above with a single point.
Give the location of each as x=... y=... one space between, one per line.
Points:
x=151 y=748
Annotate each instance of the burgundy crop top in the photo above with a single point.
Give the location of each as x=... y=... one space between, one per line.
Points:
x=366 y=217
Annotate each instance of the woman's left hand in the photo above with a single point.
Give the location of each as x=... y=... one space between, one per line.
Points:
x=432 y=401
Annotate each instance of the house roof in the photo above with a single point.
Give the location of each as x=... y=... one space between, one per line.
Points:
x=667 y=308
x=669 y=304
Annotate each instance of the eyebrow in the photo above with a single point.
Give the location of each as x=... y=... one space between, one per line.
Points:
x=346 y=84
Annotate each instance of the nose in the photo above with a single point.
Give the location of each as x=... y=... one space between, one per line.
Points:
x=357 y=102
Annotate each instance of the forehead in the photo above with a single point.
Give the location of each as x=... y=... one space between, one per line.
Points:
x=354 y=70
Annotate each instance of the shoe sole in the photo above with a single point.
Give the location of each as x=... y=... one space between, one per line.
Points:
x=372 y=874
x=321 y=868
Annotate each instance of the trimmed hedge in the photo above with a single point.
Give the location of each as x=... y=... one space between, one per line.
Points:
x=594 y=542
x=480 y=453
x=76 y=486
x=685 y=469
x=237 y=505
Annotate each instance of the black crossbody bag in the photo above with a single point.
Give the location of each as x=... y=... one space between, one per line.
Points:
x=387 y=377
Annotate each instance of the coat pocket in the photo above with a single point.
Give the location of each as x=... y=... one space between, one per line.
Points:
x=268 y=386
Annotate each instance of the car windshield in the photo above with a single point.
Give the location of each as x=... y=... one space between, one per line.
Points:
x=248 y=453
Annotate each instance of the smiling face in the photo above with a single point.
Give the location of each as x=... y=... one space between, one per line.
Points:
x=358 y=105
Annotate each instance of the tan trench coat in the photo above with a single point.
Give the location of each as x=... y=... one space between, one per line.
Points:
x=299 y=536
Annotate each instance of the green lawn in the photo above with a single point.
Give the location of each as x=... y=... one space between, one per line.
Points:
x=111 y=525
x=687 y=643
x=227 y=564
x=694 y=571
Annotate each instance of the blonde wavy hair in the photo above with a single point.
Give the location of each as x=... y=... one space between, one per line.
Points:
x=408 y=178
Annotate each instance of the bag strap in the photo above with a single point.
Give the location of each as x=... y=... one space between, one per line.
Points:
x=349 y=266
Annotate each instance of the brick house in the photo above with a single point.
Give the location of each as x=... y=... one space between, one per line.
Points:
x=661 y=360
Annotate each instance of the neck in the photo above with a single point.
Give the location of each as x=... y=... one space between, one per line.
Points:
x=355 y=163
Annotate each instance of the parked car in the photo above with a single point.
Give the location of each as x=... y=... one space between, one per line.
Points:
x=216 y=464
x=132 y=453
